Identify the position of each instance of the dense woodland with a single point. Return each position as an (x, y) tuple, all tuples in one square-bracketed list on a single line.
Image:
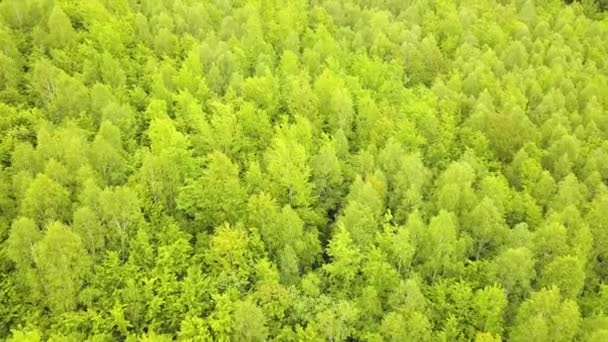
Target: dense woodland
[(303, 170)]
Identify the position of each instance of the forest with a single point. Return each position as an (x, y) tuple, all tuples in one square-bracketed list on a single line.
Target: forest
[(303, 170)]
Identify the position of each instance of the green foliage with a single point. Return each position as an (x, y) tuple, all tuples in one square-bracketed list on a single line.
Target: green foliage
[(46, 200), (545, 317), (303, 171), (63, 269), (217, 195)]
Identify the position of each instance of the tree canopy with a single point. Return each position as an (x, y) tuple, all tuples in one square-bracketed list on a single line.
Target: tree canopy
[(303, 170)]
